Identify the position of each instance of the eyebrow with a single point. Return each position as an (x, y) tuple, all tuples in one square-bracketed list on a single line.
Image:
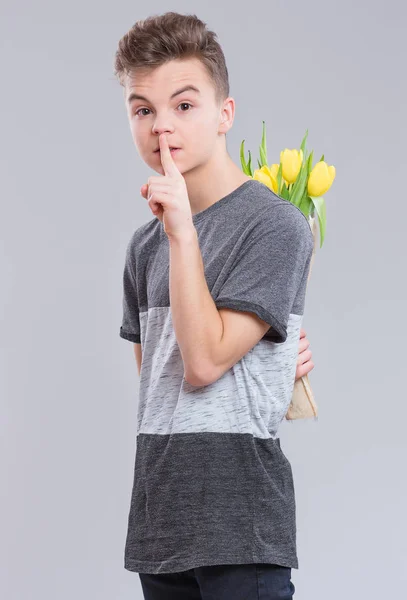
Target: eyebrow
[(134, 96)]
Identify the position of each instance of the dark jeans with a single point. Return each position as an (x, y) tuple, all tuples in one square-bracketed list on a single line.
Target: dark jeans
[(221, 582)]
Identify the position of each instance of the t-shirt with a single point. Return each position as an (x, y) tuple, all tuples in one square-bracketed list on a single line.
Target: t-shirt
[(211, 482)]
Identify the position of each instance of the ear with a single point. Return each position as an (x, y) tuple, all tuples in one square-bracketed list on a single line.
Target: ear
[(227, 114)]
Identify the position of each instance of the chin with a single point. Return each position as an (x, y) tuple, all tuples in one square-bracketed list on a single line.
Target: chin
[(160, 169)]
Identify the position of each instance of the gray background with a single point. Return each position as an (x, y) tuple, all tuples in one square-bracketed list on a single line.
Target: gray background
[(70, 201)]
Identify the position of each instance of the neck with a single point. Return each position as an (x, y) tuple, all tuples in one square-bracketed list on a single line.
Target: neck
[(212, 181)]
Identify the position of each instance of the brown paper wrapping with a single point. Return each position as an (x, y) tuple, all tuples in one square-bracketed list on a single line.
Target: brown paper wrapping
[(302, 405)]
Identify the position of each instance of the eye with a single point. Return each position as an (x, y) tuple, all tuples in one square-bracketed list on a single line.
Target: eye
[(137, 111), (144, 115), (185, 104)]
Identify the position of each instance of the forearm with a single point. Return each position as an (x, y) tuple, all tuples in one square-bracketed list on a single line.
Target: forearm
[(197, 324)]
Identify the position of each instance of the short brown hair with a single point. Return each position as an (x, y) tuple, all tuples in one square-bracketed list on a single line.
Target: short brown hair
[(160, 38)]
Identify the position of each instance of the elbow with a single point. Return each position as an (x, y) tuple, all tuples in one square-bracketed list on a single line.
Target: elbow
[(200, 377)]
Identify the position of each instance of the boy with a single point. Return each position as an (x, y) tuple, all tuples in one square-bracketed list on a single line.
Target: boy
[(213, 299)]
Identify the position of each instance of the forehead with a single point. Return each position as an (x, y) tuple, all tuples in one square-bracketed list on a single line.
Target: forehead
[(167, 78)]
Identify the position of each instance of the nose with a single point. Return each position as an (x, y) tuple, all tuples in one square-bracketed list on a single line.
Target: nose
[(160, 126), (159, 131)]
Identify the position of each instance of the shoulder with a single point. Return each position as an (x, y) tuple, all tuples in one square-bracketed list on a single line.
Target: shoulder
[(268, 211)]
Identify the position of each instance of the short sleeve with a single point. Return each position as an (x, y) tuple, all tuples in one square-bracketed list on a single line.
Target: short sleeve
[(270, 271), (130, 327)]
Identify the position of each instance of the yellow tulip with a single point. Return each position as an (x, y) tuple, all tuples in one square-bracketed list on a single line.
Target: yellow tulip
[(265, 176), (291, 161), (274, 171), (320, 179)]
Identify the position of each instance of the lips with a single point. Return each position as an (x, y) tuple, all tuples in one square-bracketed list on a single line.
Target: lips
[(171, 148)]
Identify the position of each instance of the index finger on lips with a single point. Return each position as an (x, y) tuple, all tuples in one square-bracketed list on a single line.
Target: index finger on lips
[(169, 166)]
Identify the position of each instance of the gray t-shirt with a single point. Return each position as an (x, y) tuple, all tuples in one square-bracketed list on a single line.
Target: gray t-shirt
[(211, 483)]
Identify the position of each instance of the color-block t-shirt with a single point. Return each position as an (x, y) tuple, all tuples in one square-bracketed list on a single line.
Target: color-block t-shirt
[(211, 483)]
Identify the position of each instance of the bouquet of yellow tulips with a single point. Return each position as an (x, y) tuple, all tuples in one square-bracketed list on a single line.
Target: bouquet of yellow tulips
[(296, 180)]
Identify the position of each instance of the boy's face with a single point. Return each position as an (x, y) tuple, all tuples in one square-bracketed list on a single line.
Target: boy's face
[(191, 119)]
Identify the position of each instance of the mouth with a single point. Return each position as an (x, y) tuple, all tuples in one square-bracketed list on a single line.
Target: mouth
[(172, 150)]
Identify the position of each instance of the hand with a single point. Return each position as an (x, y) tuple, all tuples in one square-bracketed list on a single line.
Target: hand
[(168, 196), (304, 362)]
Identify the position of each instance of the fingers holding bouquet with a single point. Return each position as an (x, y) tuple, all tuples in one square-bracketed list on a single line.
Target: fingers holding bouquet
[(304, 360)]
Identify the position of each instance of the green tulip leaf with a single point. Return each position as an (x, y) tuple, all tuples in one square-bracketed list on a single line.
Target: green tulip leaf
[(249, 165), (309, 206), (310, 158), (279, 178), (293, 187), (304, 140), (299, 185), (263, 146), (319, 204), (243, 160), (306, 204), (284, 192)]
